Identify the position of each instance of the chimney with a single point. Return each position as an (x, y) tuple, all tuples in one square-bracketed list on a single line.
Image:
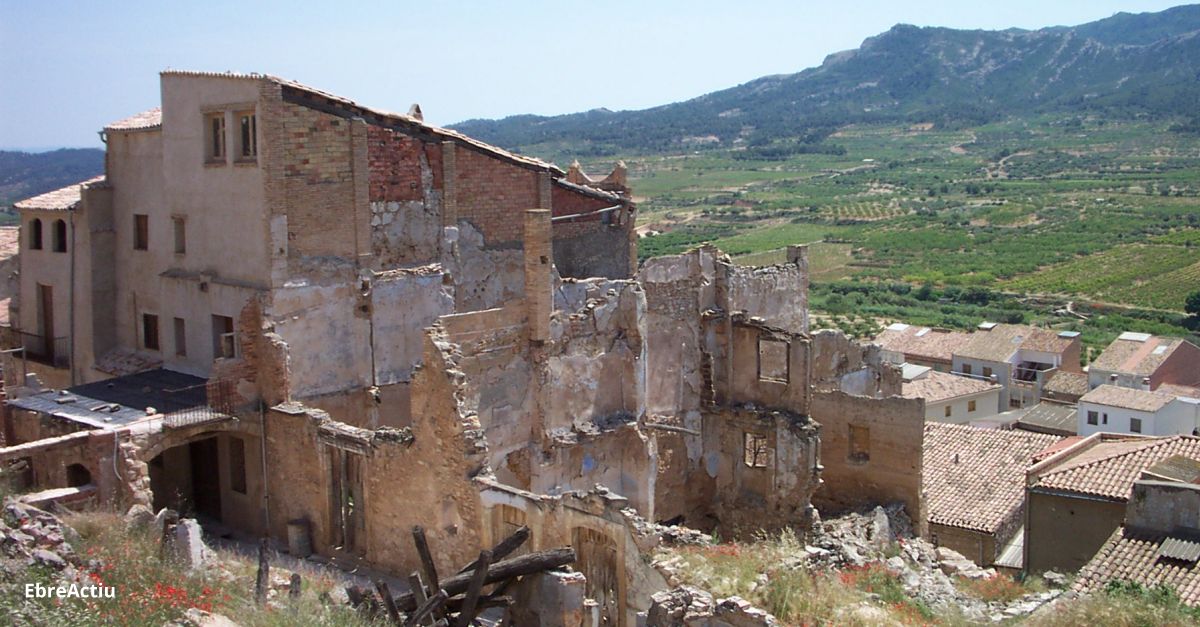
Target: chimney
[(1112, 379), (415, 112), (1146, 383), (538, 297)]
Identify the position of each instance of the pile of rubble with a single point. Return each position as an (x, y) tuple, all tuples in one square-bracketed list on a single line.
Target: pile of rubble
[(33, 537), (885, 536), (686, 606)]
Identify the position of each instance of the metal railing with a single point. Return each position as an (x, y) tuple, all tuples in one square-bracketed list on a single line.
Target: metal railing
[(46, 350), (208, 402)]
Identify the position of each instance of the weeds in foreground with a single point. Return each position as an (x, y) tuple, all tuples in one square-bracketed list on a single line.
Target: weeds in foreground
[(151, 589)]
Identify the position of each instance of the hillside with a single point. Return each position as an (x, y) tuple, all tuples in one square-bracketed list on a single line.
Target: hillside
[(24, 174), (1125, 65)]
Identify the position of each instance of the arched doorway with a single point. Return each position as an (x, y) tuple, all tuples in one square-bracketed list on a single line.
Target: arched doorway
[(78, 475)]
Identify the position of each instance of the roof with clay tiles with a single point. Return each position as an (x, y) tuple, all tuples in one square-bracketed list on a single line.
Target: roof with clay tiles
[(1106, 465), (61, 199), (1127, 398), (143, 121), (935, 387), (1067, 383), (1141, 355), (922, 342), (1002, 340), (975, 478), (1133, 555)]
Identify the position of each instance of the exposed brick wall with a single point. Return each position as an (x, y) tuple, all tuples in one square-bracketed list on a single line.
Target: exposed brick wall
[(493, 195), (317, 168), (396, 167)]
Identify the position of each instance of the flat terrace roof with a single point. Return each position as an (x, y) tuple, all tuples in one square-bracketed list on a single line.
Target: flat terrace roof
[(117, 402)]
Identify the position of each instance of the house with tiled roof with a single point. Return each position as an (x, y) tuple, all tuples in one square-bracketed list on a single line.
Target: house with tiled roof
[(1020, 358), (1050, 417), (948, 398), (922, 346), (1065, 387), (1116, 409), (1159, 542), (1076, 497), (974, 485), (1145, 361)]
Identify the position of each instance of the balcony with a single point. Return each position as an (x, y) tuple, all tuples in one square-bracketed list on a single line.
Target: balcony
[(40, 349)]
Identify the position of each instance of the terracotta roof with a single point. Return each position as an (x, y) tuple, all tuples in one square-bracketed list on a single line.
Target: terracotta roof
[(140, 122), (939, 386), (60, 199), (1067, 383), (1108, 466), (1127, 398), (1174, 389), (999, 343), (1051, 417), (922, 342), (1134, 556), (1135, 357), (975, 478)]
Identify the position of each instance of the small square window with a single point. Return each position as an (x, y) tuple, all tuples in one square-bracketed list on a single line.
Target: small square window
[(1135, 425), (1093, 418), (214, 129), (247, 136), (141, 231), (970, 406), (755, 451), (966, 368), (180, 225), (860, 443), (150, 332), (772, 360), (948, 410), (987, 372), (180, 337)]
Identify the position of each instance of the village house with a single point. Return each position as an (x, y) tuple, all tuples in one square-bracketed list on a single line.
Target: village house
[(975, 489), (295, 316), (1065, 387), (1019, 358), (1144, 361), (921, 346), (958, 400), (1077, 497), (1157, 543), (1116, 409), (1049, 417)]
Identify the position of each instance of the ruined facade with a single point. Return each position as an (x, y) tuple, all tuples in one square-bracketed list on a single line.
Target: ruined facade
[(296, 316)]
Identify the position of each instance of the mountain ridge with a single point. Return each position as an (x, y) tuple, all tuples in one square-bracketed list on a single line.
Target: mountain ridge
[(1126, 64)]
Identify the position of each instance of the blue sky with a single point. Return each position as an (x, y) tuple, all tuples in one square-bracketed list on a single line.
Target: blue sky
[(68, 68)]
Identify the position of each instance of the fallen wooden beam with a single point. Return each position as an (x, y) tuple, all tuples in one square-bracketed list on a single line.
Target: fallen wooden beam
[(507, 569), (466, 614), (504, 547)]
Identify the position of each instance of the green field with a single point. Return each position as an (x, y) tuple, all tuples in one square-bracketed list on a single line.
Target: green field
[(1074, 208)]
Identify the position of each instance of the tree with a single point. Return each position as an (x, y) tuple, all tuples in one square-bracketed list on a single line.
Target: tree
[(1192, 304)]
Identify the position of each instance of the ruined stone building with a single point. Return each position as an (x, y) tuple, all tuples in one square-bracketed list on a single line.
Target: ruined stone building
[(292, 314)]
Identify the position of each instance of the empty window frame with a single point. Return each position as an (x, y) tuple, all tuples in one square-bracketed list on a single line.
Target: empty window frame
[(237, 464), (59, 236), (180, 225), (947, 411), (970, 406), (755, 450), (966, 369), (224, 342), (214, 137), (180, 337), (141, 231), (247, 136), (1093, 417), (1135, 425), (860, 443), (772, 360), (35, 234), (150, 332)]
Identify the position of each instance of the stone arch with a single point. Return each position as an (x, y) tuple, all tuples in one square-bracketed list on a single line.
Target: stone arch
[(35, 234), (78, 475)]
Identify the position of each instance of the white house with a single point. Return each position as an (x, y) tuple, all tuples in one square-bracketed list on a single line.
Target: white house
[(1115, 409), (949, 398), (1019, 358)]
